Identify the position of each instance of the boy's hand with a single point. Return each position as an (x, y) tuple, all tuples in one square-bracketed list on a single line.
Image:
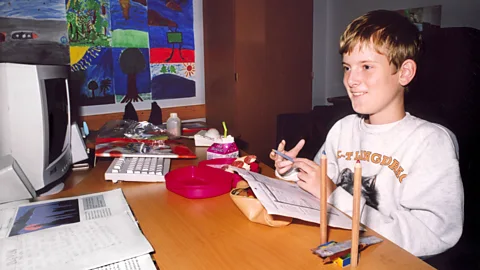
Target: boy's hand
[(282, 165), (309, 177)]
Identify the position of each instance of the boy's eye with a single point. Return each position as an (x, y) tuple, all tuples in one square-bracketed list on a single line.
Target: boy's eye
[(346, 68), (367, 67)]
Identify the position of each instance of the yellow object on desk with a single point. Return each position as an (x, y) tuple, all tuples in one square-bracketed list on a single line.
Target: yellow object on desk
[(251, 207)]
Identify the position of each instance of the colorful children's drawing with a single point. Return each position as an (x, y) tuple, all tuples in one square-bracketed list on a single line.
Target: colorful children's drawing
[(171, 81), (88, 22), (33, 31), (129, 24), (171, 31), (172, 49), (131, 74), (119, 50), (92, 73)]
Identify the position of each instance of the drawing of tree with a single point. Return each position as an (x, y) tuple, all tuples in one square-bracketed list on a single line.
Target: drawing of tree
[(163, 69), (87, 23), (173, 70), (132, 62), (93, 85), (105, 84), (125, 5)]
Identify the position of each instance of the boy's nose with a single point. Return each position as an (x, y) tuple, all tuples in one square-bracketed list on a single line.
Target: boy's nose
[(352, 79)]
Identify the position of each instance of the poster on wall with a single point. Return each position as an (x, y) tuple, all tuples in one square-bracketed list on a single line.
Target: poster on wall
[(172, 49), (92, 72), (144, 49), (423, 15), (33, 32), (91, 60), (129, 23), (88, 22), (131, 74)]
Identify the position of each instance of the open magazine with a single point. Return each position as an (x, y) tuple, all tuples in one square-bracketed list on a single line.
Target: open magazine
[(94, 231)]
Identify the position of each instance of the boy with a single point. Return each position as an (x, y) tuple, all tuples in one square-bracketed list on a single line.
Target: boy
[(412, 191)]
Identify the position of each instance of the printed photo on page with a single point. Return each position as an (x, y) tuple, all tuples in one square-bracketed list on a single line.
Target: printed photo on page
[(7, 214), (52, 213)]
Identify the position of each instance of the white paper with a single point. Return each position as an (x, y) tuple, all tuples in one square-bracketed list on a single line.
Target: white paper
[(288, 199), (82, 245), (143, 262), (42, 215)]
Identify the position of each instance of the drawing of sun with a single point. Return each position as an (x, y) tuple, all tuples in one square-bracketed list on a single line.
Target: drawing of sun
[(81, 57), (189, 69)]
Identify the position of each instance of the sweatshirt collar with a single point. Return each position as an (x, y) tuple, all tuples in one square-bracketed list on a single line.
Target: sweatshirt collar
[(380, 128)]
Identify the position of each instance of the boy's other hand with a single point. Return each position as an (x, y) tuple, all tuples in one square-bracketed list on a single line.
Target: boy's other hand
[(309, 177), (282, 165)]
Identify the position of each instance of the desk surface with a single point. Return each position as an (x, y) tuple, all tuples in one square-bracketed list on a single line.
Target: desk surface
[(213, 234)]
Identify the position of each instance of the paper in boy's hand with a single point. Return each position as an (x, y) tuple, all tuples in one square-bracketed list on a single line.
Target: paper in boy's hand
[(288, 199)]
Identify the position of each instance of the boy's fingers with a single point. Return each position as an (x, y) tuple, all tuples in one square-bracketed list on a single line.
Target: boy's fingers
[(303, 167), (285, 163), (295, 150), (302, 184), (302, 176), (306, 161), (272, 155), (283, 166), (283, 170), (281, 146)]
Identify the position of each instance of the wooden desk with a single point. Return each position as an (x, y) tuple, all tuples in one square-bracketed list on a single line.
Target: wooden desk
[(213, 234)]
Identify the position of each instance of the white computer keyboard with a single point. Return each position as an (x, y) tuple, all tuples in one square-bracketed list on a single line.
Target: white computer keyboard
[(139, 169)]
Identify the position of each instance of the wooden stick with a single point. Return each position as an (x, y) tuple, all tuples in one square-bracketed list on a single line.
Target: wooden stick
[(357, 189), (323, 200)]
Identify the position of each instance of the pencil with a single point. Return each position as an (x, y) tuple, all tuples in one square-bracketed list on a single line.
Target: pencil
[(357, 184), (282, 155), (323, 199)]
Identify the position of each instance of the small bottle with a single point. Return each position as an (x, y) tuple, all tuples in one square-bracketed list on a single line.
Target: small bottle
[(174, 125)]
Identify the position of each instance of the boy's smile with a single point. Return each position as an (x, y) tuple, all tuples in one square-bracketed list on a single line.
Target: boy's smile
[(373, 85)]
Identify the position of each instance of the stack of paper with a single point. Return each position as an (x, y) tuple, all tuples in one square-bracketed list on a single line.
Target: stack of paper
[(288, 199), (95, 231)]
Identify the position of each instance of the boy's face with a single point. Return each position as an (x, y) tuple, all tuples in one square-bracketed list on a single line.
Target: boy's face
[(373, 85)]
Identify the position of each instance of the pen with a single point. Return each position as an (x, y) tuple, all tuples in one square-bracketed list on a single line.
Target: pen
[(282, 155)]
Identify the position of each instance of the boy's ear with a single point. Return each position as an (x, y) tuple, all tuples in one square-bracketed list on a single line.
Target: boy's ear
[(407, 72)]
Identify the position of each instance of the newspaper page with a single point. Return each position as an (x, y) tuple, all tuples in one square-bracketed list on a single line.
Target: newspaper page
[(82, 245), (42, 215), (288, 199), (21, 217)]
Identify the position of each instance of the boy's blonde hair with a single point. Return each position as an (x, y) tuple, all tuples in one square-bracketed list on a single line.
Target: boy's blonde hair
[(390, 33)]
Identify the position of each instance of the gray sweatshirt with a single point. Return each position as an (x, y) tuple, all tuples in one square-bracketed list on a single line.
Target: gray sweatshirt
[(412, 192)]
